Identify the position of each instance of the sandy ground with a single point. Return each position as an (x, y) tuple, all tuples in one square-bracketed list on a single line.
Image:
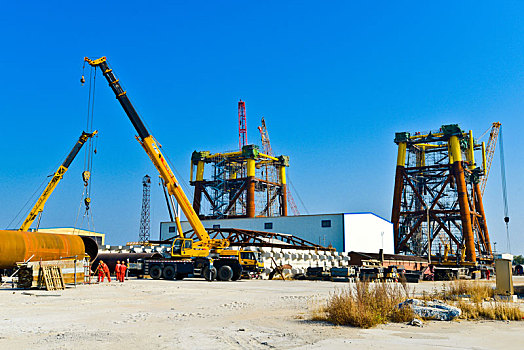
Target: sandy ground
[(195, 314)]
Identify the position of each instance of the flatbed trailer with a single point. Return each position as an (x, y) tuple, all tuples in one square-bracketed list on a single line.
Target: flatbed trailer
[(221, 269)]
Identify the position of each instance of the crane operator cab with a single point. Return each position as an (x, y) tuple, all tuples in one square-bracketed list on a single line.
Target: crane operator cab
[(185, 248)]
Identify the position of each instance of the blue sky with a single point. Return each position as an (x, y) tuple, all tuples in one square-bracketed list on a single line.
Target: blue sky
[(334, 81)]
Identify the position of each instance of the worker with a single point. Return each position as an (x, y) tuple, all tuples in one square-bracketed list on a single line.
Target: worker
[(487, 274), (107, 273), (101, 271), (123, 268), (117, 270)]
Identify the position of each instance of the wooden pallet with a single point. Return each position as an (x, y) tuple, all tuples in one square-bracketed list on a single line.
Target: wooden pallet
[(52, 278)]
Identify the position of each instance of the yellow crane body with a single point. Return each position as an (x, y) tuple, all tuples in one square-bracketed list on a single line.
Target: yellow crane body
[(57, 176)]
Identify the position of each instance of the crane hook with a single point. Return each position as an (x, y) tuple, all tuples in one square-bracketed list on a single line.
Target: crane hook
[(85, 176), (82, 80)]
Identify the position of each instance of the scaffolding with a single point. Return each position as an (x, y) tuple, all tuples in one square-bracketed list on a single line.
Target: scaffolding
[(437, 201), (246, 183)]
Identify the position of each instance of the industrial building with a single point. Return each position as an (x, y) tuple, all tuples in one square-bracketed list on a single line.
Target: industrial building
[(98, 237), (346, 232)]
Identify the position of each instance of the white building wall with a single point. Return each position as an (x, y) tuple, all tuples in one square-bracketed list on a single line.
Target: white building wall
[(308, 227), (363, 232), (367, 232)]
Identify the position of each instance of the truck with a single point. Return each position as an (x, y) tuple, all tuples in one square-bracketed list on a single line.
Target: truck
[(208, 258)]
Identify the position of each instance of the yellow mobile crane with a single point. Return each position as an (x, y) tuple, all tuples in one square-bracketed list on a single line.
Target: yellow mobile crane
[(200, 258), (39, 206)]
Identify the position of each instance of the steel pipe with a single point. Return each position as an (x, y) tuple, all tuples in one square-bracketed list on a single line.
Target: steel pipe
[(19, 246)]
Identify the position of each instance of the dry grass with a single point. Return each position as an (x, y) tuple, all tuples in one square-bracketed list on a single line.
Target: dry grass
[(476, 291), (503, 311), (365, 306), (479, 304)]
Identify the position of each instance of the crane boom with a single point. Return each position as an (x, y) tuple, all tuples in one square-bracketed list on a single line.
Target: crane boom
[(57, 176), (266, 146), (152, 149), (490, 152)]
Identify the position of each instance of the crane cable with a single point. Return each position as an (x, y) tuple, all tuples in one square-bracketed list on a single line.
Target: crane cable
[(504, 190), (90, 150)]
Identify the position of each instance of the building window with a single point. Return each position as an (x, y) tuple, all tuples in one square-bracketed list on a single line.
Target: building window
[(216, 226), (268, 225), (172, 229), (325, 223)]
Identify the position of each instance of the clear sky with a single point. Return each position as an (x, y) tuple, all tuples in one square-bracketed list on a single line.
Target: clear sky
[(334, 80)]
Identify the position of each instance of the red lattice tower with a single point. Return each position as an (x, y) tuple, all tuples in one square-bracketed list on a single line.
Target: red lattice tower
[(242, 124), (266, 146)]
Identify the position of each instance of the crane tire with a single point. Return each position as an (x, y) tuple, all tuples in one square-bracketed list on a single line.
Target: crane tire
[(237, 274), (155, 272), (169, 272), (209, 273), (225, 273)]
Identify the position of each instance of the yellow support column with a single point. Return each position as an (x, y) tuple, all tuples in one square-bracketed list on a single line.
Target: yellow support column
[(470, 155), (283, 184), (465, 212), (197, 198), (250, 197)]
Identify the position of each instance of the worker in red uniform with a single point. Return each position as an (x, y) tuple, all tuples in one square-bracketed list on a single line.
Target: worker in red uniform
[(107, 273), (117, 270), (101, 271), (123, 269)]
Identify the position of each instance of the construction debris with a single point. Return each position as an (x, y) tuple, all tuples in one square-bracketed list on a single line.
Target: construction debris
[(432, 310)]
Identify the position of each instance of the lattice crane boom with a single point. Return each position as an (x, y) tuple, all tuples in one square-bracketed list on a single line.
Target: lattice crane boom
[(490, 152), (242, 124), (266, 146), (145, 217)]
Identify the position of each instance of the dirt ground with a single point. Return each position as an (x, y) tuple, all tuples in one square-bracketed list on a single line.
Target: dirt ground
[(195, 314)]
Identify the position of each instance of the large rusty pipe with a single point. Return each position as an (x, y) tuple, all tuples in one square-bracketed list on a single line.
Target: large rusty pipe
[(197, 197), (462, 192), (283, 200), (19, 246), (397, 199), (397, 193), (483, 222)]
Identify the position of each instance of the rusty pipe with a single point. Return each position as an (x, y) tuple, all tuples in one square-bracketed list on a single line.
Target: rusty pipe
[(18, 246)]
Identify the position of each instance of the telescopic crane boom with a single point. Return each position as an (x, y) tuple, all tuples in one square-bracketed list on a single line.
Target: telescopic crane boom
[(39, 206), (152, 149)]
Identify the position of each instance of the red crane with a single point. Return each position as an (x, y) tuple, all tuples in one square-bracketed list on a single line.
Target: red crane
[(242, 124), (266, 146)]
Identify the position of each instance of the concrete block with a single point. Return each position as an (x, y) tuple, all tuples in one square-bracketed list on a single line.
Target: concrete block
[(267, 255)]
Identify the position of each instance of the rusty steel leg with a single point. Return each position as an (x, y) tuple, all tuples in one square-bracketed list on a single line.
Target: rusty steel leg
[(250, 197), (483, 222), (197, 198), (397, 199), (465, 213), (283, 201)]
